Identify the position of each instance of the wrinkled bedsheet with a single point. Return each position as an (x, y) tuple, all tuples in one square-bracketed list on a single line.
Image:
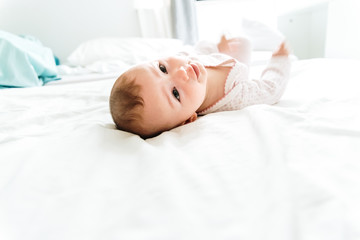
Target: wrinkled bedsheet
[(282, 172)]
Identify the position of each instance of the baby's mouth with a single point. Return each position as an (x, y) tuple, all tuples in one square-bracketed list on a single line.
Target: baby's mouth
[(196, 69)]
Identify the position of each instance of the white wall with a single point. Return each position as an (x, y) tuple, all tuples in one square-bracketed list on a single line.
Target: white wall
[(331, 32), (287, 6), (63, 24), (225, 16), (343, 35), (305, 30)]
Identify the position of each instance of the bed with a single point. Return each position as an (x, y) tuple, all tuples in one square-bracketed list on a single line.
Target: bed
[(286, 171)]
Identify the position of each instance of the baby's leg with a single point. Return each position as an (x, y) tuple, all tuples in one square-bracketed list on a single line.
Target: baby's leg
[(238, 48)]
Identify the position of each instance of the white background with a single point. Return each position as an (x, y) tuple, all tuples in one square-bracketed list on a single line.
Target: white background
[(63, 25)]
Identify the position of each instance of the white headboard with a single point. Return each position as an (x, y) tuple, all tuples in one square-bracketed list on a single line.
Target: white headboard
[(63, 24)]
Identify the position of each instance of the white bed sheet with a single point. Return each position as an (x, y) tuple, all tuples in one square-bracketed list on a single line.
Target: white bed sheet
[(287, 171)]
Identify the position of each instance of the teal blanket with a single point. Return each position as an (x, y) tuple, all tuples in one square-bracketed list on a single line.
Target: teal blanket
[(25, 62)]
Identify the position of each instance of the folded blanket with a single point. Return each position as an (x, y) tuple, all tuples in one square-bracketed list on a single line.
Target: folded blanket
[(25, 62)]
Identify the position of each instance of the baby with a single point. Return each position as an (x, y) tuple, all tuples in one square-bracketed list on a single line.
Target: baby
[(159, 95)]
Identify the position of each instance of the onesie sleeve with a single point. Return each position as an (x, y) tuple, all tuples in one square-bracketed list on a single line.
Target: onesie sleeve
[(241, 91), (269, 88)]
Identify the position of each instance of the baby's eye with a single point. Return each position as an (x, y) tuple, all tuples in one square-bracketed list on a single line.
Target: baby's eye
[(162, 68), (176, 94)]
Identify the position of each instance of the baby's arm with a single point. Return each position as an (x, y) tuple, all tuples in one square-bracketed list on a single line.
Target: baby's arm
[(271, 85)]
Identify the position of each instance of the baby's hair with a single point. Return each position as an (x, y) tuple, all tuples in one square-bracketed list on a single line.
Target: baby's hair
[(126, 104)]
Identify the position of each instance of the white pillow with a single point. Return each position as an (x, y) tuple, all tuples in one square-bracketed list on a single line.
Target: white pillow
[(128, 50), (262, 37)]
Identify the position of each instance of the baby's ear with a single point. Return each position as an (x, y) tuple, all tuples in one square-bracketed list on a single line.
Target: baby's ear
[(191, 119)]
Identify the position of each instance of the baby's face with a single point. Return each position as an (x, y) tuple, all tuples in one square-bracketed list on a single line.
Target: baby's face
[(173, 89)]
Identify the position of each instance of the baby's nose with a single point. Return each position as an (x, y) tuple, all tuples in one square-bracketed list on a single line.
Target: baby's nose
[(181, 74)]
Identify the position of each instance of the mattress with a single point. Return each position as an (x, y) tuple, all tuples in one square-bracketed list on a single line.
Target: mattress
[(284, 171)]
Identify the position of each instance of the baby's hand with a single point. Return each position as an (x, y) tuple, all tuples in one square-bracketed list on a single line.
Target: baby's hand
[(283, 50)]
